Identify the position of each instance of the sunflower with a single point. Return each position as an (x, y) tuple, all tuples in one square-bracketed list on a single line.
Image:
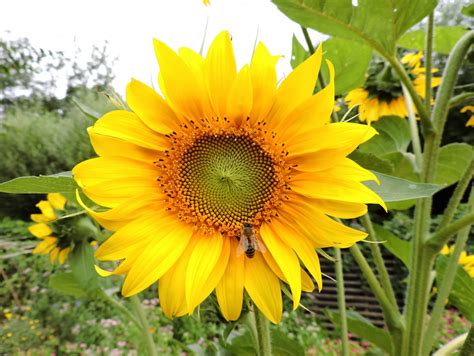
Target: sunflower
[(57, 248), (469, 108), (382, 93), (465, 260), (226, 183)]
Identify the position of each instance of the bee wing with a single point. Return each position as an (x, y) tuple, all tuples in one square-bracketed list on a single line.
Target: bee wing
[(260, 246), (240, 248)]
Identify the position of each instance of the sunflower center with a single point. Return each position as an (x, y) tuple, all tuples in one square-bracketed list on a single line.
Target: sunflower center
[(222, 180)]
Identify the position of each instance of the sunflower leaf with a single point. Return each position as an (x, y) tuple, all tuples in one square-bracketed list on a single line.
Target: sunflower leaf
[(394, 136), (445, 37), (58, 183), (378, 23), (398, 247), (66, 283), (468, 10), (393, 189), (462, 292), (82, 263), (452, 162), (298, 53), (363, 328)]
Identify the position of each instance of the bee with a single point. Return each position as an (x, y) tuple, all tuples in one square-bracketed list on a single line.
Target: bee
[(248, 242)]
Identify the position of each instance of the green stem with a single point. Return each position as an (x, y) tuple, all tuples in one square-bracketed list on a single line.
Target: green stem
[(378, 259), (468, 347), (140, 315), (391, 313), (415, 136), (341, 302), (423, 258), (446, 285), (321, 80), (458, 99), (428, 61), (121, 308), (443, 235), (452, 346), (402, 74), (262, 327)]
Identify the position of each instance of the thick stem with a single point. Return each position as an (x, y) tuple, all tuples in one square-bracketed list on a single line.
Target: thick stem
[(423, 257), (121, 308), (444, 290), (262, 327), (443, 235), (405, 79), (391, 313), (341, 302), (415, 136), (468, 347), (140, 315), (458, 99), (378, 259), (428, 61)]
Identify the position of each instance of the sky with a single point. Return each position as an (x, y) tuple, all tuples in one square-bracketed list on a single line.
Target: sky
[(130, 26)]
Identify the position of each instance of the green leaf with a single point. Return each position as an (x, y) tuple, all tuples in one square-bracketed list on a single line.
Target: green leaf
[(394, 136), (452, 162), (462, 292), (398, 247), (282, 345), (372, 162), (350, 60), (82, 263), (66, 283), (403, 165), (378, 23), (468, 10), (86, 110), (363, 328), (298, 53), (58, 183), (445, 37), (392, 189)]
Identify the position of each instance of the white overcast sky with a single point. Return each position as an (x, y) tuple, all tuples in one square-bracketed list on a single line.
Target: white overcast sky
[(130, 26)]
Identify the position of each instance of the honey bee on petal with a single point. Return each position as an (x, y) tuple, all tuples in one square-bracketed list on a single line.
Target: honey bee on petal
[(248, 242)]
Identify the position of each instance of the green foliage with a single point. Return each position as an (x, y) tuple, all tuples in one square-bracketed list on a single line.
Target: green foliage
[(462, 292), (298, 53), (377, 23), (445, 37), (398, 247), (57, 183), (67, 283), (82, 264), (363, 328), (453, 160), (393, 189), (468, 10)]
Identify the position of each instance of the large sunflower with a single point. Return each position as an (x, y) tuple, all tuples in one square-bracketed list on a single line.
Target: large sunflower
[(382, 93), (227, 183)]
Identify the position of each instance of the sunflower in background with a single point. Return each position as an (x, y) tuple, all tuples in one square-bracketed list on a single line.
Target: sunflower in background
[(465, 260), (469, 108), (382, 93), (226, 184), (58, 236)]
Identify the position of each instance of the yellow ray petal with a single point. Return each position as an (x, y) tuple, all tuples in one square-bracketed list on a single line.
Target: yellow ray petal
[(162, 251), (263, 287), (296, 88), (229, 290), (127, 126), (40, 218), (63, 255), (47, 210), (40, 230), (151, 107), (302, 247), (264, 81), (307, 284), (313, 112), (181, 87), (203, 261), (57, 200), (46, 245), (220, 71), (171, 287), (239, 101), (53, 255), (286, 260), (339, 209)]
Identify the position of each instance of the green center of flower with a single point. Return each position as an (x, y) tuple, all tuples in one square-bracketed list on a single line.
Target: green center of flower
[(226, 179)]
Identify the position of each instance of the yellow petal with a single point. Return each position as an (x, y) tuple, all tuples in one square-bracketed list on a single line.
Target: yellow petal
[(40, 230), (296, 88), (314, 112), (307, 284), (53, 255), (127, 126), (63, 255), (264, 81), (40, 218), (286, 260), (151, 107), (180, 85), (239, 101), (203, 260), (46, 245), (159, 255), (340, 209), (220, 69), (47, 210), (263, 287), (57, 200), (230, 289)]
